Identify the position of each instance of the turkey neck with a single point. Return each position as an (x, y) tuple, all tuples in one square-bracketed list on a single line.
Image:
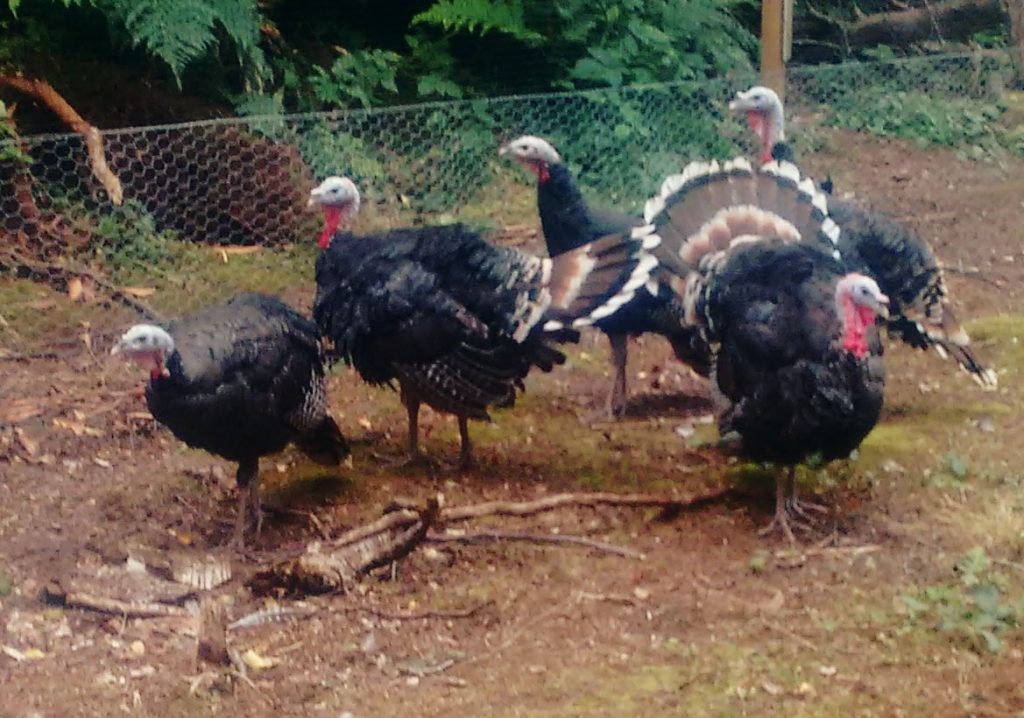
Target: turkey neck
[(332, 219), (856, 320), (563, 212), (770, 127)]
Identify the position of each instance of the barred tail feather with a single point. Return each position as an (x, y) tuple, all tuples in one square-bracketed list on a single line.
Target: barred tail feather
[(592, 282)]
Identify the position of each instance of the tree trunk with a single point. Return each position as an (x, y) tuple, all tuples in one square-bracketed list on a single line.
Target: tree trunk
[(947, 20), (1015, 10)]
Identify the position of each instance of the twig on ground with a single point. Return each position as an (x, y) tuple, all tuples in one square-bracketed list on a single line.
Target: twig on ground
[(555, 539), (607, 597), (122, 608), (558, 501), (827, 551)]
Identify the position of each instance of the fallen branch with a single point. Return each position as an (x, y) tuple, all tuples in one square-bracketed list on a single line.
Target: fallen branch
[(44, 92), (559, 501), (58, 275), (122, 608), (327, 567), (556, 539)]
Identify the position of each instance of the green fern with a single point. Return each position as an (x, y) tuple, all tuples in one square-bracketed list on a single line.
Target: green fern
[(181, 31), (479, 16)]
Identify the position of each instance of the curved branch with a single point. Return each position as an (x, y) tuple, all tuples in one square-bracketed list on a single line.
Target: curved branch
[(44, 92)]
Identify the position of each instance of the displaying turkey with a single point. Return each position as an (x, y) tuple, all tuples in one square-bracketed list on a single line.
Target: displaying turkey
[(241, 380), (796, 368), (569, 222), (902, 263), (458, 322)]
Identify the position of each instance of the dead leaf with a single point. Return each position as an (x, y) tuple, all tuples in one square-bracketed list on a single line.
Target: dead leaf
[(19, 410), (365, 423), (40, 304), (77, 428), (75, 289), (257, 662), (88, 289), (140, 292)]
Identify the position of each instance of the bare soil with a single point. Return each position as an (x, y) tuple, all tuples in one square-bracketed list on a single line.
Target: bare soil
[(714, 620)]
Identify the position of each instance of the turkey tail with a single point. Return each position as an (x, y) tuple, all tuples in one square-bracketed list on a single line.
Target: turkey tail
[(592, 282), (937, 326), (709, 208), (324, 444)]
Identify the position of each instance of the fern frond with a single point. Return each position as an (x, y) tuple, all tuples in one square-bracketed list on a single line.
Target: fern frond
[(180, 31), (479, 16)]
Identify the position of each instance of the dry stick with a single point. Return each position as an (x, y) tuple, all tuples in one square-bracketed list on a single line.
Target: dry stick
[(44, 92), (45, 271), (404, 543), (122, 608), (558, 501), (557, 539), (387, 522), (828, 551)]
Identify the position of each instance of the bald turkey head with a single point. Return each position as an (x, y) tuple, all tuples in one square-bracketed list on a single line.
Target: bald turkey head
[(534, 153), (338, 198), (148, 345), (858, 302), (765, 116)]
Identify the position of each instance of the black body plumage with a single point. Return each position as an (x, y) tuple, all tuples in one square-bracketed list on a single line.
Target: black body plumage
[(793, 392), (437, 308), (246, 378)]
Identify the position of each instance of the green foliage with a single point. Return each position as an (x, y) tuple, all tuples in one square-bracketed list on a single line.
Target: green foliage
[(9, 151), (479, 16), (966, 123), (366, 77), (976, 608), (125, 238), (644, 41)]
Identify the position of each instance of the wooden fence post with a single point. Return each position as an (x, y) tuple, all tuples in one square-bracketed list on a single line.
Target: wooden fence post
[(776, 43)]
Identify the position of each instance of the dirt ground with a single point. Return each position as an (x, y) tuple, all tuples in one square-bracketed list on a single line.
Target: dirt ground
[(712, 620)]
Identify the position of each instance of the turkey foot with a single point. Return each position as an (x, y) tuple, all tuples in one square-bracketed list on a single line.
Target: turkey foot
[(789, 511), (248, 504)]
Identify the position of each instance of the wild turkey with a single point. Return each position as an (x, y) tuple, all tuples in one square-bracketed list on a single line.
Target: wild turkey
[(796, 368), (241, 380), (902, 263), (569, 222), (457, 322)]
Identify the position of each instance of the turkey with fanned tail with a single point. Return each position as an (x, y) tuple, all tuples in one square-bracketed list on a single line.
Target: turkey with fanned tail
[(796, 362), (569, 222), (241, 380), (902, 263), (455, 321)]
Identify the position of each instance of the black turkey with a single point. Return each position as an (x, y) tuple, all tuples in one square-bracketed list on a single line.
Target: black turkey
[(458, 322), (569, 222), (241, 380), (796, 368), (902, 263)]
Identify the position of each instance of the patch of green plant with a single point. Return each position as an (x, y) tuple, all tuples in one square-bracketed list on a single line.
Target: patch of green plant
[(968, 124), (975, 608), (953, 471)]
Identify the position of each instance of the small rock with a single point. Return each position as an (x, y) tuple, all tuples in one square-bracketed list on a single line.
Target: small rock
[(137, 648), (684, 431), (986, 425), (827, 671), (412, 681), (642, 593), (771, 688)]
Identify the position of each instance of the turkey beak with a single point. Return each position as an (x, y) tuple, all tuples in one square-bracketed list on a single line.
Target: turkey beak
[(116, 349), (504, 150), (881, 306), (314, 198)]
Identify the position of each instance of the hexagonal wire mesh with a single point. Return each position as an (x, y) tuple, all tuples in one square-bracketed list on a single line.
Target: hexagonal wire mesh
[(191, 190)]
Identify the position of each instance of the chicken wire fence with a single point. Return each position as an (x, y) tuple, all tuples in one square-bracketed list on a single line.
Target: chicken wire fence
[(211, 208)]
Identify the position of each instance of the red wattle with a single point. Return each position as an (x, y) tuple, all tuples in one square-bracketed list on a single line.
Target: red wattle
[(332, 218)]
